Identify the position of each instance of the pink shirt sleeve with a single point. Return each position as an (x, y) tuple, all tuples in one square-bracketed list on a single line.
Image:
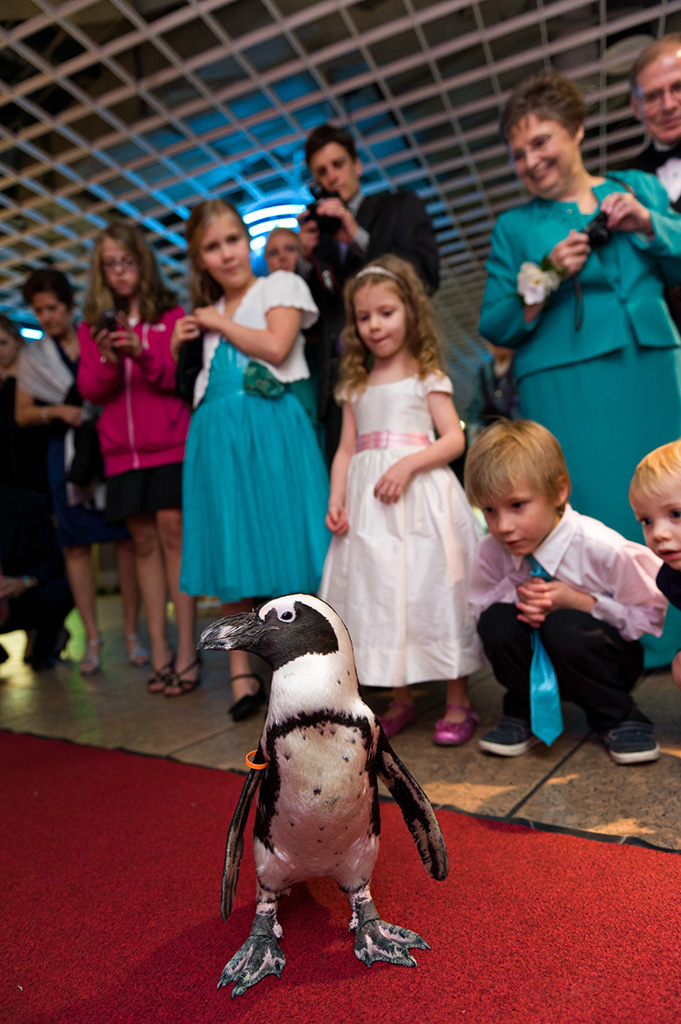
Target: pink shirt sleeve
[(155, 360), (98, 380)]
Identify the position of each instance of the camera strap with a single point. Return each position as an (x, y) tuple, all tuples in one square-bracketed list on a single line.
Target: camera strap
[(625, 184), (325, 274)]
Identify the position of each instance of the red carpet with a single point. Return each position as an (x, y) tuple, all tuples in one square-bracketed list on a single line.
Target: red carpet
[(111, 867)]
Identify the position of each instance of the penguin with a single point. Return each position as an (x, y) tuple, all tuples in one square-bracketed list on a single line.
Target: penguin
[(318, 810)]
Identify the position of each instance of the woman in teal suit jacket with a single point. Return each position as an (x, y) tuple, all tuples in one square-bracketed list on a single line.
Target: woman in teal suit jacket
[(598, 359)]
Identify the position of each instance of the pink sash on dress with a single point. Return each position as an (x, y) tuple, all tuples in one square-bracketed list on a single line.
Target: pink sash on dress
[(390, 439)]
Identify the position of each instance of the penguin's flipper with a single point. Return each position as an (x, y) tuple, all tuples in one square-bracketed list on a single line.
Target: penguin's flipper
[(416, 809), (235, 840)]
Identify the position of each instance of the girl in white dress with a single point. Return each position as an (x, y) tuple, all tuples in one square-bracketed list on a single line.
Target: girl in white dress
[(398, 567)]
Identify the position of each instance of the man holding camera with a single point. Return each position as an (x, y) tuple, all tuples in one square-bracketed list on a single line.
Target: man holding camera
[(342, 231)]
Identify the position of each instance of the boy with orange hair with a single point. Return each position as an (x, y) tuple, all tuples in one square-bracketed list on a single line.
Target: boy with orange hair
[(655, 496)]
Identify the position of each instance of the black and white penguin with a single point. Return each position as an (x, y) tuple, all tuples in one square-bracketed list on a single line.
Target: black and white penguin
[(318, 809)]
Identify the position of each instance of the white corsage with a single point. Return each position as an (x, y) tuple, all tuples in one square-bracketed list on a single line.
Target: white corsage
[(536, 282)]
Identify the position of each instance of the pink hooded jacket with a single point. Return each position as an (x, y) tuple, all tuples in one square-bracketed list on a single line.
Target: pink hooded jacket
[(143, 423)]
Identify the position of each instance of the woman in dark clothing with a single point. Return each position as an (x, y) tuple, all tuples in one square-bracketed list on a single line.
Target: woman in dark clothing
[(46, 395), (23, 453)]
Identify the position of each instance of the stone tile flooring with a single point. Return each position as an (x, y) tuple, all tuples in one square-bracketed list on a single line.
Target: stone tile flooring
[(574, 785)]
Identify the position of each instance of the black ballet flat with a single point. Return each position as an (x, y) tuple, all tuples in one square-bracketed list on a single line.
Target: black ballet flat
[(252, 702)]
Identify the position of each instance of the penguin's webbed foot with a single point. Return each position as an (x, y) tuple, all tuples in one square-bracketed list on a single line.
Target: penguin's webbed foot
[(378, 940), (259, 956)]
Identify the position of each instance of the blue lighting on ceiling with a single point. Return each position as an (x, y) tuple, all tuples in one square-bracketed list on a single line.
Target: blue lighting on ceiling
[(268, 212), (279, 215), (258, 241)]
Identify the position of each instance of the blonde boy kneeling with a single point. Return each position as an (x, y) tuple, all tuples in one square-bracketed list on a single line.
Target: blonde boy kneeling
[(600, 598), (655, 496)]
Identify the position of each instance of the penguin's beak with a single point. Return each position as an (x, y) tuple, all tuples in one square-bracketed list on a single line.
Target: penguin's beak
[(241, 632)]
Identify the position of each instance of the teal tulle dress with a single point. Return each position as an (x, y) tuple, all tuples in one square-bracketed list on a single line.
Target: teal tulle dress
[(255, 492)]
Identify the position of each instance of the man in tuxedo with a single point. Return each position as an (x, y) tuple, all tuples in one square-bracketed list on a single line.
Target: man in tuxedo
[(342, 232), (656, 100), (34, 593)]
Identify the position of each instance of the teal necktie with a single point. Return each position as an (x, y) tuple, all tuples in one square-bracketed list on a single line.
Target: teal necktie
[(546, 716)]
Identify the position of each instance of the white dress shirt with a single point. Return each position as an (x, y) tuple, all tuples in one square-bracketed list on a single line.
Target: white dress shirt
[(590, 557)]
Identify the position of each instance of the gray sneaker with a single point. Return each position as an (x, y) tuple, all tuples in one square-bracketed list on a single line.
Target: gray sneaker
[(510, 738), (631, 743)]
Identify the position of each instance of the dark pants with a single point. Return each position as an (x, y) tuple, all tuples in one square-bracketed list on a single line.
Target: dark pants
[(43, 608), (596, 668)]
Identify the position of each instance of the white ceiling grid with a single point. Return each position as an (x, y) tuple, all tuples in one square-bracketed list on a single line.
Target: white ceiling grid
[(140, 109)]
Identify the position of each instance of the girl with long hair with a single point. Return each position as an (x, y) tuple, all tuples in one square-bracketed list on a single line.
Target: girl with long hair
[(126, 367), (398, 567), (255, 482)]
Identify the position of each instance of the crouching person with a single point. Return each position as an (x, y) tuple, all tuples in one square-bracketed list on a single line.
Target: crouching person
[(560, 599), (34, 593)]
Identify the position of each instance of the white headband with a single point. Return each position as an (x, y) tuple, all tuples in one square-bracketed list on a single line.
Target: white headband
[(373, 269)]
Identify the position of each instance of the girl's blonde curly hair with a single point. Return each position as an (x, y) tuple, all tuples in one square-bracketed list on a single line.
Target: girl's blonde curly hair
[(421, 337)]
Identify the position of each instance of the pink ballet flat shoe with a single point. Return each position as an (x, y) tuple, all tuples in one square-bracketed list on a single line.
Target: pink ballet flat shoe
[(453, 734), (392, 724)]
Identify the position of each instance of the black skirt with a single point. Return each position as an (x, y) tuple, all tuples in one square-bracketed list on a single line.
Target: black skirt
[(143, 491)]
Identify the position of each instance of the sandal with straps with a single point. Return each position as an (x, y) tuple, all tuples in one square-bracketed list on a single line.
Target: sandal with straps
[(137, 654), (90, 662), (161, 677), (177, 685), (250, 703)]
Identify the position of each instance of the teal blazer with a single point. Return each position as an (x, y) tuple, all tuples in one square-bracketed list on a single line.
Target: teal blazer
[(622, 283)]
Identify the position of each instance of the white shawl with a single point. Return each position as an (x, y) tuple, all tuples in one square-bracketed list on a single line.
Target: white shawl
[(43, 374)]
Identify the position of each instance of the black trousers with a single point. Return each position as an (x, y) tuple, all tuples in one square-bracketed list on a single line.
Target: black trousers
[(596, 668), (44, 609)]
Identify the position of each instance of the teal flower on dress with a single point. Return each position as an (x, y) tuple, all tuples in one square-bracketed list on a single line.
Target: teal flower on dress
[(258, 380)]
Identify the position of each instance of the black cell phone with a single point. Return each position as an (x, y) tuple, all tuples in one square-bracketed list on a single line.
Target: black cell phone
[(107, 321)]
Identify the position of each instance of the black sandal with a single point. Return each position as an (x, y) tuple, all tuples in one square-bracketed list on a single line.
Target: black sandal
[(177, 684), (251, 703), (161, 677)]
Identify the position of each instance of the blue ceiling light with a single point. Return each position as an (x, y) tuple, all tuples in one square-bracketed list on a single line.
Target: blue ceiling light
[(276, 215)]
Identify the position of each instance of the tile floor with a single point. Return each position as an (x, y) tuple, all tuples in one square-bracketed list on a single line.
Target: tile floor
[(574, 785)]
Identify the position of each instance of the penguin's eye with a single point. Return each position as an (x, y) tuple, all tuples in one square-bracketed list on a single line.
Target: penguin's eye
[(286, 616)]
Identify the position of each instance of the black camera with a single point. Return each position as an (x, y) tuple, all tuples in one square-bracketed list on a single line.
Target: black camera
[(327, 225), (107, 321), (597, 230)]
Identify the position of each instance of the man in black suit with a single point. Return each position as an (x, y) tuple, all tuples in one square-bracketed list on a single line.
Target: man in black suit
[(656, 100), (361, 228), (34, 593)]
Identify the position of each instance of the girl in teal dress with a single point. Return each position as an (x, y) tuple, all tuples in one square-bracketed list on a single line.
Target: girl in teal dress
[(597, 354), (254, 483)]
